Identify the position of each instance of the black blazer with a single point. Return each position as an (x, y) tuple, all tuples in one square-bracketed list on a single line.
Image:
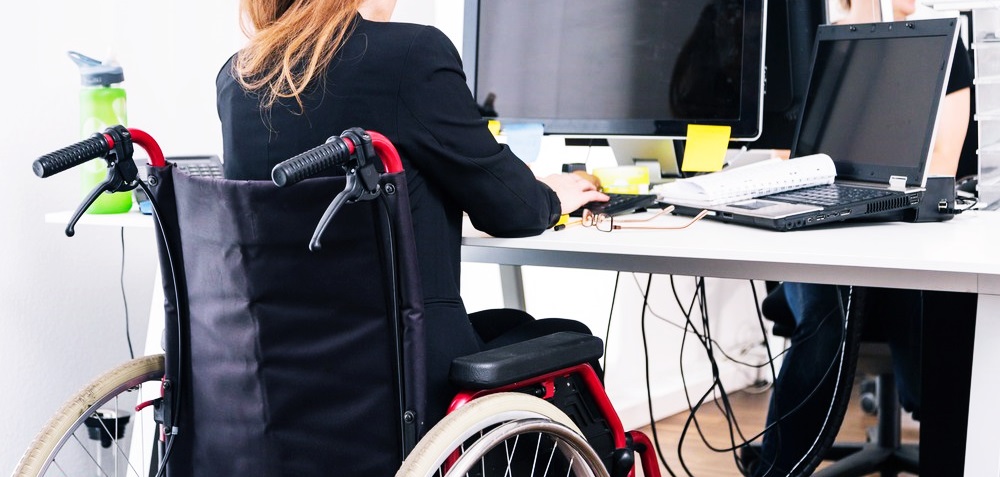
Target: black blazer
[(405, 81)]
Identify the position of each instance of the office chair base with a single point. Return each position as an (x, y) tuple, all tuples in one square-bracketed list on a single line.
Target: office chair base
[(869, 459)]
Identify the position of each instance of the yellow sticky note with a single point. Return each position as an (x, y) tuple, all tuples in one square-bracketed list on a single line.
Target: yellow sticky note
[(705, 150)]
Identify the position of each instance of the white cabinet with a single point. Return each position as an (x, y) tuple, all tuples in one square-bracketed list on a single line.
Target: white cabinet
[(985, 39), (986, 48)]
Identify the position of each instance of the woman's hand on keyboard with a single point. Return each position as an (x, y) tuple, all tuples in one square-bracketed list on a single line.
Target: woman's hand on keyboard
[(573, 190)]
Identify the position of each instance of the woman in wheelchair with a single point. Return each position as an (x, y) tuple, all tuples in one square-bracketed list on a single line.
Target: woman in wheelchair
[(287, 359), (354, 68)]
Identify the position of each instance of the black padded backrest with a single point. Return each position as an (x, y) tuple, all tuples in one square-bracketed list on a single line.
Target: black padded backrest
[(290, 357)]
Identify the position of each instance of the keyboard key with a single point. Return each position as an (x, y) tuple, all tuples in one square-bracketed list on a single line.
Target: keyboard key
[(619, 204), (830, 195)]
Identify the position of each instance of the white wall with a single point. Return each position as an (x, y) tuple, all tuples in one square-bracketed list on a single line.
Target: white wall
[(61, 309)]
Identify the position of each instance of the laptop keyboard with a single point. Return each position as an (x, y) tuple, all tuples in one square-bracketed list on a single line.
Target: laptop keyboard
[(830, 194), (205, 166), (619, 204)]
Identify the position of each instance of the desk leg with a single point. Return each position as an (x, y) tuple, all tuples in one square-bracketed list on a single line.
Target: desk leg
[(982, 454), (512, 284), (948, 333)]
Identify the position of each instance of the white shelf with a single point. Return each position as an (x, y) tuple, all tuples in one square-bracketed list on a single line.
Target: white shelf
[(989, 148), (132, 218), (994, 79), (961, 4), (991, 115), (985, 44)]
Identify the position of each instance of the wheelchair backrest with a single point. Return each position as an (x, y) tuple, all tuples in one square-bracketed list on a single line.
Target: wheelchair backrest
[(290, 362)]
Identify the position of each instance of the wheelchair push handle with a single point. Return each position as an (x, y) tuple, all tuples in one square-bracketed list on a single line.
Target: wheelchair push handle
[(336, 152), (98, 145), (115, 145), (340, 150), (357, 151), (73, 155)]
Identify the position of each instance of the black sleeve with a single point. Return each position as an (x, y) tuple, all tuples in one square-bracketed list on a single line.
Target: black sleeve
[(961, 69), (456, 151)]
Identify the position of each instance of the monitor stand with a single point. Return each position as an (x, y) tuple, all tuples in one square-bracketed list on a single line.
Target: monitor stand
[(656, 154)]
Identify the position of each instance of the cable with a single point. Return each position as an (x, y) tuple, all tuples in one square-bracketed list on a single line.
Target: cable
[(171, 433), (843, 344), (717, 389), (837, 357), (701, 298), (716, 382), (649, 393), (763, 331), (968, 203), (607, 332), (719, 346), (121, 283), (725, 406)]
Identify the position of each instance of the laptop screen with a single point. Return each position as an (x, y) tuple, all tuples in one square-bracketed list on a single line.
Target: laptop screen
[(873, 97)]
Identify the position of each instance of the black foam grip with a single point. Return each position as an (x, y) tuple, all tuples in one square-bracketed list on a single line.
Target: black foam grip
[(311, 163), (71, 156)]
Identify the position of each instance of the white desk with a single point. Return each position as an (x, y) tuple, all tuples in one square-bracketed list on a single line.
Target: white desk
[(959, 255)]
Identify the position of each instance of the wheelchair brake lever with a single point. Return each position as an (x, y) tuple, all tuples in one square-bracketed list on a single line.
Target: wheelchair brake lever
[(114, 182), (122, 174), (353, 192), (362, 182)]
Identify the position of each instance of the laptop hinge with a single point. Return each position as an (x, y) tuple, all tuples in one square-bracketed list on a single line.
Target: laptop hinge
[(897, 183)]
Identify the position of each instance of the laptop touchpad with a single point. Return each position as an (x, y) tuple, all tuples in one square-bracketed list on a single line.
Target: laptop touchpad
[(768, 208)]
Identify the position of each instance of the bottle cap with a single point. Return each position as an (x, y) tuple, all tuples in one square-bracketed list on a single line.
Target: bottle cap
[(95, 73)]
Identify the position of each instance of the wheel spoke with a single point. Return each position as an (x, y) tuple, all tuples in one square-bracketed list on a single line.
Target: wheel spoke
[(66, 449), (59, 468), (491, 433), (548, 465), (97, 464), (569, 470), (534, 461), (510, 455)]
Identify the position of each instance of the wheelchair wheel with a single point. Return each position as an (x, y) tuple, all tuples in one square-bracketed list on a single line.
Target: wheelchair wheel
[(504, 434), (98, 431)]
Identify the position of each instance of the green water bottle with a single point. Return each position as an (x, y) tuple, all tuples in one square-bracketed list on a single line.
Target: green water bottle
[(102, 104)]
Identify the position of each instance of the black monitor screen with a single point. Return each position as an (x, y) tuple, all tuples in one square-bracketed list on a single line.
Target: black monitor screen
[(628, 67), (873, 97), (791, 32)]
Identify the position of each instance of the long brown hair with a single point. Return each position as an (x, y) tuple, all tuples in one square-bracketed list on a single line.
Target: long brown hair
[(291, 42)]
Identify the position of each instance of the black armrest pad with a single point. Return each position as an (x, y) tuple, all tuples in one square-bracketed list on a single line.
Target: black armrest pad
[(519, 361)]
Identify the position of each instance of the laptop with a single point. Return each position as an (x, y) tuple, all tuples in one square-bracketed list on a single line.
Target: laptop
[(871, 105)]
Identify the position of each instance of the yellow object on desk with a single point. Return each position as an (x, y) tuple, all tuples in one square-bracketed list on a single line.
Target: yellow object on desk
[(705, 150), (623, 179), (561, 224)]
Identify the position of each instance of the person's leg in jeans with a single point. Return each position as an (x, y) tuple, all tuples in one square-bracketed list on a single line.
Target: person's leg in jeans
[(803, 391), (900, 315)]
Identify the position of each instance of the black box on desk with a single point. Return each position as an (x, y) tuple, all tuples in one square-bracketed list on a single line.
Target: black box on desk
[(937, 204)]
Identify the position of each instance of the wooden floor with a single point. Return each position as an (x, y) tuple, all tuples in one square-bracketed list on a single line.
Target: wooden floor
[(750, 410)]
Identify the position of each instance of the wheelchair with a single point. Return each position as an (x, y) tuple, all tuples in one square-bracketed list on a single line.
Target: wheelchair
[(287, 359)]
